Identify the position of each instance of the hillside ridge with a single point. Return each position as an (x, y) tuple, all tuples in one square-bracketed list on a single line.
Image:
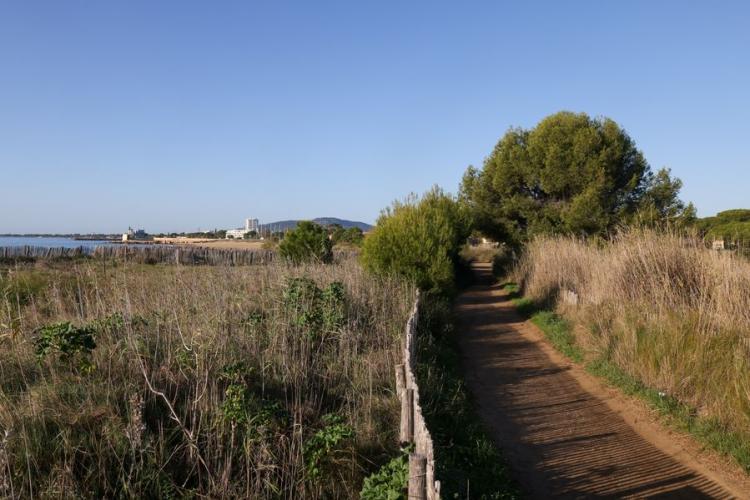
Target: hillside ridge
[(283, 225)]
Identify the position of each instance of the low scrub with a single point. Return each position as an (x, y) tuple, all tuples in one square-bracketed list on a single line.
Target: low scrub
[(143, 381), (308, 242), (659, 308), (420, 240)]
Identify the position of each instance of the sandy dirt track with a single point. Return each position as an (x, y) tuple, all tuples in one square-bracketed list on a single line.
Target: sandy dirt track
[(564, 432)]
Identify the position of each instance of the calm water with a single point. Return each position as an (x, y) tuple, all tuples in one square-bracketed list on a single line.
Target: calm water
[(13, 241)]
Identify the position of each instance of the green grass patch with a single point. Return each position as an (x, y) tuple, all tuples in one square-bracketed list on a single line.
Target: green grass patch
[(557, 330), (559, 334), (707, 431)]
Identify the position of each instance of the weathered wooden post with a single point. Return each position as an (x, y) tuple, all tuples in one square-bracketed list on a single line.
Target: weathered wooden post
[(400, 380), (406, 434), (417, 477)]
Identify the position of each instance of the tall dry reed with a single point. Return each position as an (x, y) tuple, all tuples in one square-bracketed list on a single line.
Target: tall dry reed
[(662, 307), (253, 382)]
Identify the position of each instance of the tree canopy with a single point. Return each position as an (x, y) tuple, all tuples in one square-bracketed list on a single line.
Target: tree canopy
[(661, 202), (733, 226), (350, 236), (569, 174)]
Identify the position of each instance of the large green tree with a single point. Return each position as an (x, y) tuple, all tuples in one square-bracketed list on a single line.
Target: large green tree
[(661, 203), (569, 174)]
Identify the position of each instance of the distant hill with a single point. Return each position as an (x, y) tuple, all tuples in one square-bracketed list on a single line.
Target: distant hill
[(283, 225)]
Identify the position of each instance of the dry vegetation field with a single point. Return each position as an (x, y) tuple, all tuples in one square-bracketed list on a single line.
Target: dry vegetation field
[(661, 307), (234, 244), (157, 381)]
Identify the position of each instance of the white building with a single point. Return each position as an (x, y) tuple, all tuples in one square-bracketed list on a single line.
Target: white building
[(136, 235), (250, 225)]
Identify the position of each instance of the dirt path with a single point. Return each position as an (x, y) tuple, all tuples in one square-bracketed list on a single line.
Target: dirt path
[(565, 434)]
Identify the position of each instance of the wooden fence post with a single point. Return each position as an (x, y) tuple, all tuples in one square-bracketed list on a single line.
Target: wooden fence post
[(400, 380), (406, 434), (417, 477)]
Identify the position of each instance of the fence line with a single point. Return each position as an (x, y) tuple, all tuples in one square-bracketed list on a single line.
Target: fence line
[(413, 428), (144, 254), (150, 254)]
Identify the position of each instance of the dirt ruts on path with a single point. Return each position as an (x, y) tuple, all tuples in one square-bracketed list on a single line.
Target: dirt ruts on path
[(565, 434)]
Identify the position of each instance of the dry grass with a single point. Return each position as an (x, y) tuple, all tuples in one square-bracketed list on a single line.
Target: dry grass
[(478, 253), (204, 382), (661, 307), (233, 244)]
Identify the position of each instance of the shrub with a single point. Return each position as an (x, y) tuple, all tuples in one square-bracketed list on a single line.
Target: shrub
[(320, 448), (314, 310), (351, 236), (65, 339), (419, 239), (68, 342), (308, 242), (389, 482)]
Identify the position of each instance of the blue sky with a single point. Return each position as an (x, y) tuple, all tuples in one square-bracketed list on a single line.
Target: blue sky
[(185, 115)]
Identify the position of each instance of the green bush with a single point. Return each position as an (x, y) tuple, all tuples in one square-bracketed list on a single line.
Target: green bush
[(321, 447), (65, 339), (351, 236), (68, 342), (308, 242), (419, 239), (312, 310), (389, 482)]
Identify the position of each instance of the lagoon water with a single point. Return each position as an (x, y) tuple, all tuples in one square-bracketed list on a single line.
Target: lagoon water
[(47, 242)]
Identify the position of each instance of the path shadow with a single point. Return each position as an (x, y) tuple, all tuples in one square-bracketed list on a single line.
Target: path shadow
[(561, 441)]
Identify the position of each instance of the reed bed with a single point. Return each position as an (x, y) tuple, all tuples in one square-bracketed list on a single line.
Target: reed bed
[(662, 307), (142, 381), (140, 254)]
